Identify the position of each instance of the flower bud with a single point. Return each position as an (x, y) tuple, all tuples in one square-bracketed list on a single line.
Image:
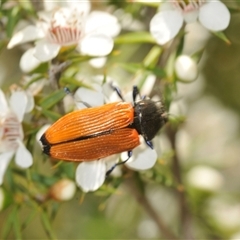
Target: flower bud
[(205, 178), (186, 68), (63, 190)]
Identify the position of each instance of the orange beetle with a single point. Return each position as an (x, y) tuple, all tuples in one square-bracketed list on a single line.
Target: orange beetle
[(93, 133)]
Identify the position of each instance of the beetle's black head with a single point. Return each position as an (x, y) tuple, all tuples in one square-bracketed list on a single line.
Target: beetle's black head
[(149, 117)]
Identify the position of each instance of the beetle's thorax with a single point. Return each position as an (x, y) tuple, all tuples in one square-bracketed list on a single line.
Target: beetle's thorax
[(149, 117)]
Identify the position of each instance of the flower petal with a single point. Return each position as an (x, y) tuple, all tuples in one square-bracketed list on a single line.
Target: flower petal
[(98, 62), (190, 16), (5, 159), (46, 51), (3, 103), (96, 45), (186, 68), (30, 33), (28, 62), (83, 6), (30, 102), (91, 97), (102, 23), (142, 159), (165, 25), (90, 175), (23, 157), (205, 178), (18, 103), (214, 16)]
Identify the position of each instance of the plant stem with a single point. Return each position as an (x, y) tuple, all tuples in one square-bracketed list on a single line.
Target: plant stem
[(139, 195), (185, 218)]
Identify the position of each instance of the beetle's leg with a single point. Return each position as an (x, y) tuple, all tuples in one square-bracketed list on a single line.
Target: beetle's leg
[(67, 91), (117, 164), (118, 91), (149, 143)]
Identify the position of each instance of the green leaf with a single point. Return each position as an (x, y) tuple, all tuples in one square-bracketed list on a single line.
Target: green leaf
[(134, 67), (16, 225), (8, 224), (47, 225), (50, 114), (153, 56), (159, 72), (52, 99), (74, 82), (13, 18), (223, 37), (135, 37), (131, 67)]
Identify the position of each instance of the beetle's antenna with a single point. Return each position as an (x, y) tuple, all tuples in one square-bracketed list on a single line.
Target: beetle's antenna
[(117, 164)]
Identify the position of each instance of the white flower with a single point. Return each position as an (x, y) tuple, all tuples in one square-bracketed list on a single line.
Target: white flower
[(186, 68), (11, 133), (91, 175), (63, 190), (165, 25), (92, 33), (205, 178)]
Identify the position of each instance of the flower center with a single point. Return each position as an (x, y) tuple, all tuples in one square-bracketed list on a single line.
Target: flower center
[(66, 27), (10, 133), (188, 5)]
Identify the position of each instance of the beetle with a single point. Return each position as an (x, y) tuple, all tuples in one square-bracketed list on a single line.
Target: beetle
[(97, 132)]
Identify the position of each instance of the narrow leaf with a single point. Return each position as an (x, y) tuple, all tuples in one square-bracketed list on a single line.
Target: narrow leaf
[(223, 37), (52, 99), (135, 37)]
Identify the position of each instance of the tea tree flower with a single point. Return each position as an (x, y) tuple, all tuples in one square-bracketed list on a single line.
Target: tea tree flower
[(166, 24), (92, 33), (11, 133)]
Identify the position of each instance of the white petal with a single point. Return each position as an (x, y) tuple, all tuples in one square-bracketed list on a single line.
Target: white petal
[(142, 159), (23, 157), (186, 68), (83, 6), (30, 33), (190, 16), (30, 102), (5, 159), (28, 62), (96, 45), (46, 51), (90, 175), (91, 97), (98, 62), (3, 103), (205, 178), (18, 103), (214, 16), (165, 25), (102, 23)]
